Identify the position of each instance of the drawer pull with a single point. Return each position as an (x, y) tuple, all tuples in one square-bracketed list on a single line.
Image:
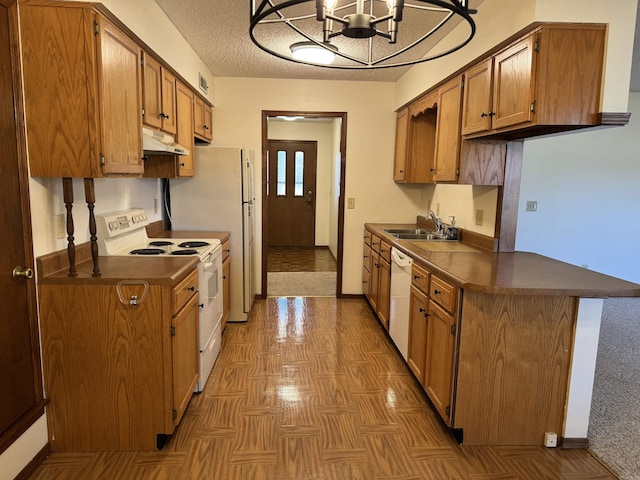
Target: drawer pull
[(133, 299), (416, 277), (422, 310), (437, 292), (192, 288)]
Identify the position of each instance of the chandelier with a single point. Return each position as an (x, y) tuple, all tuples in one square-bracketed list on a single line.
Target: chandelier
[(360, 34)]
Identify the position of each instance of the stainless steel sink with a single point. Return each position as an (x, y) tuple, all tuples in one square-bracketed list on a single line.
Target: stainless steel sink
[(413, 234), (418, 236), (408, 231)]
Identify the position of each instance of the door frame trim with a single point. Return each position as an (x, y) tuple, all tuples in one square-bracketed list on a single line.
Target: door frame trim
[(343, 163)]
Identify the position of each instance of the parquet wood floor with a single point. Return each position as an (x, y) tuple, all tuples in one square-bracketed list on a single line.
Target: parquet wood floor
[(293, 259), (312, 389)]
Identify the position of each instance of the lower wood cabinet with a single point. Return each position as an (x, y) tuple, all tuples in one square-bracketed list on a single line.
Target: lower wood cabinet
[(376, 276), (120, 361), (432, 329)]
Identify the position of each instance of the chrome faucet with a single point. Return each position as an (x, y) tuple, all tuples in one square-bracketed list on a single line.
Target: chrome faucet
[(435, 220)]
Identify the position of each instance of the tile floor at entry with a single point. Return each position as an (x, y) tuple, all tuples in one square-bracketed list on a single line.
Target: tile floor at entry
[(311, 388), (296, 259)]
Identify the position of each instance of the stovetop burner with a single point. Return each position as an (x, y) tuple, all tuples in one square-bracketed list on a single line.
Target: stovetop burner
[(187, 251), (194, 244), (147, 251), (160, 243)]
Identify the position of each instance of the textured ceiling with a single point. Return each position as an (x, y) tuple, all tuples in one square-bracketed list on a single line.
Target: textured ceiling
[(218, 30)]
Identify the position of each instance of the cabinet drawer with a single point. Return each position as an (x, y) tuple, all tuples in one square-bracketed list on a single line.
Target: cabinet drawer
[(375, 243), (185, 290), (443, 293), (226, 249), (385, 251), (367, 237), (366, 278), (420, 278), (366, 257)]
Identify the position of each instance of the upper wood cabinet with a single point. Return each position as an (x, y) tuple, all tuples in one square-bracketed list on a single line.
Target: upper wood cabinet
[(400, 156), (547, 81), (202, 119), (184, 136), (428, 137), (159, 96), (82, 91), (447, 156)]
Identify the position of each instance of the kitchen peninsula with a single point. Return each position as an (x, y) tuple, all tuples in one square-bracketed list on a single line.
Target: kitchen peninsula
[(523, 338)]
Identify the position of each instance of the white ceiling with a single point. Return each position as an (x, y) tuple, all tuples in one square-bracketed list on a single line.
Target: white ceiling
[(218, 30)]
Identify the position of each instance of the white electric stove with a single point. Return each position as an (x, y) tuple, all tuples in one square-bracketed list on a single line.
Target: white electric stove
[(124, 233)]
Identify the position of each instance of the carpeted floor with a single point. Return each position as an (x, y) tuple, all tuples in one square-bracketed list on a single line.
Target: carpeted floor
[(301, 284), (614, 425)]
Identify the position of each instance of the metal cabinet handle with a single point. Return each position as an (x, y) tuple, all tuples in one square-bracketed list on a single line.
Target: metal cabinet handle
[(192, 288), (437, 292), (133, 299)]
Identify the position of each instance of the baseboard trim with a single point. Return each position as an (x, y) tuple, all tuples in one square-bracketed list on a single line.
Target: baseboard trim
[(350, 296), (35, 462), (569, 443)]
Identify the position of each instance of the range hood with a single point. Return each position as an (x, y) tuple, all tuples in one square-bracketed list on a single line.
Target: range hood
[(158, 143)]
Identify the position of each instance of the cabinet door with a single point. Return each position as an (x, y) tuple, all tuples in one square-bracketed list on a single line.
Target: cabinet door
[(447, 156), (168, 112), (400, 156), (384, 292), (120, 101), (477, 103), (366, 269), (198, 117), (438, 378), (513, 84), (373, 280), (418, 323), (184, 135), (151, 92), (59, 70), (185, 352), (208, 121), (423, 118)]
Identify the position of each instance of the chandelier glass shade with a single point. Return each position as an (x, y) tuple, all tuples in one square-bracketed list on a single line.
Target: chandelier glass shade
[(359, 34)]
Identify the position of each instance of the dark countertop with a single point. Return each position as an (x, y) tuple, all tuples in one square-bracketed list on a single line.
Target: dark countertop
[(517, 273), (155, 270), (155, 230)]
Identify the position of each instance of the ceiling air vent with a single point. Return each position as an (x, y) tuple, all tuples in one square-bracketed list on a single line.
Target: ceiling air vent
[(202, 83)]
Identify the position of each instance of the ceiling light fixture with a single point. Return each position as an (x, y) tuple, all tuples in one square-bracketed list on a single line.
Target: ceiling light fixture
[(309, 52), (359, 34)]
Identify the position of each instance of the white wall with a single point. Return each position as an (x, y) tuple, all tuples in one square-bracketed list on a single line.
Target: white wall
[(462, 202), (369, 155), (322, 133), (587, 185)]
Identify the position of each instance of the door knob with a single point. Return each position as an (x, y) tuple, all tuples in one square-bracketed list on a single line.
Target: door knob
[(22, 272)]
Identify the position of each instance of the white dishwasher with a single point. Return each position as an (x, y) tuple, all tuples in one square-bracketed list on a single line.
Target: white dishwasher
[(400, 288)]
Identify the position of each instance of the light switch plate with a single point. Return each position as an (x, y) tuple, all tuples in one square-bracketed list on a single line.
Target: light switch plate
[(351, 203), (532, 206), (479, 217)]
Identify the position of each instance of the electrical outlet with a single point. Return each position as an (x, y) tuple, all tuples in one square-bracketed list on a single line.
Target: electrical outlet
[(584, 265), (61, 228), (438, 208), (479, 217), (550, 439), (351, 203), (155, 205), (532, 206)]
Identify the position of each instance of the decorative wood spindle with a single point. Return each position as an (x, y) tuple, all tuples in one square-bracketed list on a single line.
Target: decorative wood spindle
[(90, 197), (67, 190)]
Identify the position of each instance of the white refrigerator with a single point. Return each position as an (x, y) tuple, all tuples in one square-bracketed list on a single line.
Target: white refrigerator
[(220, 198)]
